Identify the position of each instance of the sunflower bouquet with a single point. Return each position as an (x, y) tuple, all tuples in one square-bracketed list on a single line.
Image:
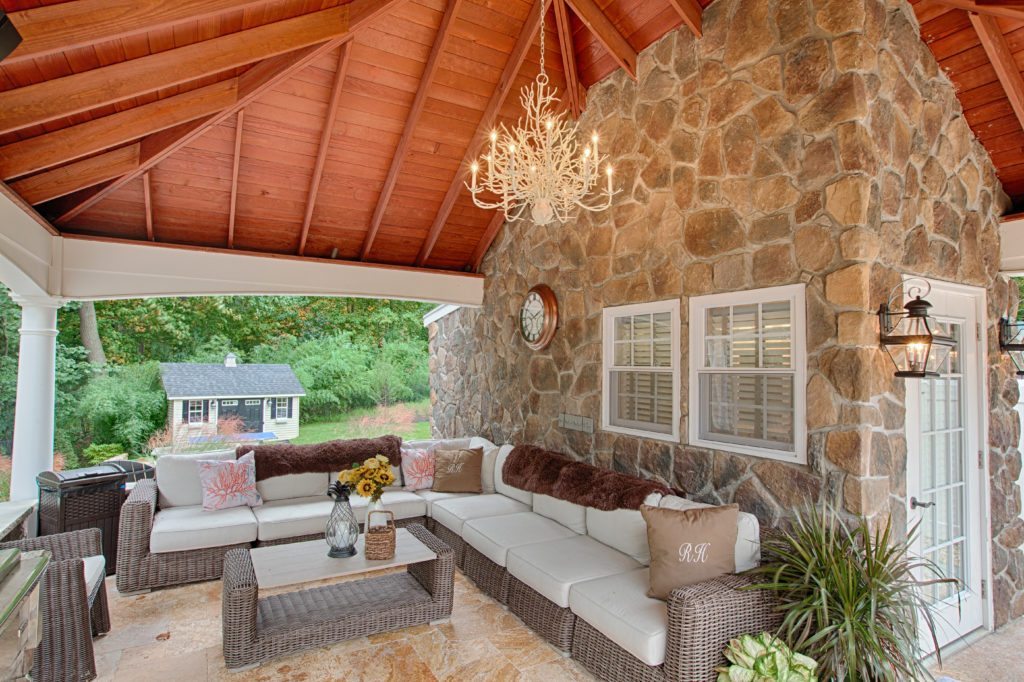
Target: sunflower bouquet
[(369, 478)]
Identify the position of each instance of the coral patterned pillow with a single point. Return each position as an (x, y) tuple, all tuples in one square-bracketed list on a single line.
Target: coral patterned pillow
[(418, 469), (229, 483)]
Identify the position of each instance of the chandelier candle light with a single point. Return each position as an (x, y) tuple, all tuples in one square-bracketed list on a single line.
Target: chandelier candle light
[(539, 164)]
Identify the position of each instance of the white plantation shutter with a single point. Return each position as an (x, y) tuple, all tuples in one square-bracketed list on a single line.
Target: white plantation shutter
[(748, 370), (641, 365)]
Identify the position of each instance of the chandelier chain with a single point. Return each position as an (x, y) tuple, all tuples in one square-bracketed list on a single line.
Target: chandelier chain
[(543, 72)]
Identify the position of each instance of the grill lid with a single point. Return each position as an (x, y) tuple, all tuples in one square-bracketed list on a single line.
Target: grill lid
[(84, 476)]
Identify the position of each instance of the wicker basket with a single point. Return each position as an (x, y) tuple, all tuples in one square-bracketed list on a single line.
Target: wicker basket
[(380, 540)]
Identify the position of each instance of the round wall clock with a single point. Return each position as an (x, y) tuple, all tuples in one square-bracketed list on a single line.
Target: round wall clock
[(538, 317)]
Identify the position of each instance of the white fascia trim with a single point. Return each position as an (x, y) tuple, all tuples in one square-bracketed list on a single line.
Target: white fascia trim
[(28, 250), (438, 313)]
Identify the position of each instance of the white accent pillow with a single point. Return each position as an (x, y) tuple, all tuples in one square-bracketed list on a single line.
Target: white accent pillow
[(229, 483)]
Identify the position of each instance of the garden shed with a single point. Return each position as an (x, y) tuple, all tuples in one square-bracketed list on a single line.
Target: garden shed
[(205, 400)]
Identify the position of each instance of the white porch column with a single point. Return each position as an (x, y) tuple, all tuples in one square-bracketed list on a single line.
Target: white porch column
[(32, 451)]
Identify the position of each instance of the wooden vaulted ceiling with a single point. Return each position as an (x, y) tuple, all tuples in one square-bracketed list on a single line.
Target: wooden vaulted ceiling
[(980, 44), (318, 128)]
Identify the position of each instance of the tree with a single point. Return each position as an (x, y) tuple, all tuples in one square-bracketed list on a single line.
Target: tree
[(90, 333)]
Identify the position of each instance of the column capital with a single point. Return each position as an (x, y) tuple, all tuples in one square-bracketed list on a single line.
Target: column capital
[(38, 301)]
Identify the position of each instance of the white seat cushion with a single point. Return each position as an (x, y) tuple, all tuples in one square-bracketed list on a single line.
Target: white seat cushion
[(551, 568), (183, 528), (618, 607), (432, 496), (95, 571), (524, 496), (623, 529), (496, 535), (293, 486), (454, 512), (748, 532), (404, 505), (291, 518), (177, 477)]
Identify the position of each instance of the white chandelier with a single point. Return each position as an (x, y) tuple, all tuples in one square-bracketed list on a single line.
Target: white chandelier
[(539, 164)]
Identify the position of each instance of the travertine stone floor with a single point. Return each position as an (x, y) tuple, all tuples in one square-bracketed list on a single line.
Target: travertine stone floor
[(175, 634), (998, 657)]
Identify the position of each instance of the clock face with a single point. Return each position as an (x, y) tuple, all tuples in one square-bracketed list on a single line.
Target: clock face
[(538, 317)]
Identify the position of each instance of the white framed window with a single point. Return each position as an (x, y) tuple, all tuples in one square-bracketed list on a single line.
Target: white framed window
[(640, 387), (229, 403), (281, 408), (748, 373), (252, 402), (195, 412)]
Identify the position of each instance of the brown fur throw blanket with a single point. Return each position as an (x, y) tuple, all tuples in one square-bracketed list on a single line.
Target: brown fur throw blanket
[(549, 473), (334, 455)]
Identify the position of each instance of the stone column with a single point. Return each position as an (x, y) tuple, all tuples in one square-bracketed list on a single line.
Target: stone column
[(34, 408)]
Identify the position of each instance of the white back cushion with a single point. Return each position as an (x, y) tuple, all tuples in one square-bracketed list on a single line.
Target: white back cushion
[(294, 486), (572, 516), (487, 468), (623, 529), (177, 477), (500, 486), (748, 532)]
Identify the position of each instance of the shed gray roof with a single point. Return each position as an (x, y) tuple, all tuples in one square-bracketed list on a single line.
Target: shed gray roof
[(188, 380)]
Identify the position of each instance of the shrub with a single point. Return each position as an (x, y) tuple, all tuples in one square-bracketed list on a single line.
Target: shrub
[(101, 452), (125, 405)]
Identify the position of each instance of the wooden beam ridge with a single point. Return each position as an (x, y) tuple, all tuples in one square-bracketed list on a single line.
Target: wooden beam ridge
[(58, 182), (325, 142), (998, 51), (147, 198), (692, 14), (67, 144), (402, 150), (501, 92), (49, 29), (490, 234), (49, 100), (992, 10), (598, 23), (568, 50), (236, 159)]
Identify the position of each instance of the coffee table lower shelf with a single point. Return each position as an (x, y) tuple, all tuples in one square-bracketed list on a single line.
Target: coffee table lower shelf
[(257, 630)]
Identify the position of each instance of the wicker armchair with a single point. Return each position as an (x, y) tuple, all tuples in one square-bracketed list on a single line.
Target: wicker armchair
[(71, 615)]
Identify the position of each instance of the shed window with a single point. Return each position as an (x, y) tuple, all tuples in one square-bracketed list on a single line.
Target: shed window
[(281, 408), (195, 412)]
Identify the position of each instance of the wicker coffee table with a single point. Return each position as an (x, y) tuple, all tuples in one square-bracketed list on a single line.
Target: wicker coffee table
[(257, 630)]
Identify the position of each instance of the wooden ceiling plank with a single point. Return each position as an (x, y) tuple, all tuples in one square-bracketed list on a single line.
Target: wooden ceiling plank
[(236, 159), (50, 29), (147, 198), (501, 92), (692, 14), (58, 182), (574, 90), (993, 10), (994, 42), (74, 142), (344, 55), (402, 150), (60, 97), (251, 84), (598, 23), (490, 234)]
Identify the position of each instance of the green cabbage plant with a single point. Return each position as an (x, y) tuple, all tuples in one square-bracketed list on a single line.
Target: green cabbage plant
[(765, 658)]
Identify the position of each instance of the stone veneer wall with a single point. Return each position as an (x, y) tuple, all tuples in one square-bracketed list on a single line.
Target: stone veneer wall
[(799, 141)]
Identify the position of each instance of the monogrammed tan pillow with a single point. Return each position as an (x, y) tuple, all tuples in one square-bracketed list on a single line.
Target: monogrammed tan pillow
[(689, 546), (458, 471)]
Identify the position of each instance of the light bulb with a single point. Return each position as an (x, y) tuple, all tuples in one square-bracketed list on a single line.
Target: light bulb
[(494, 136), (593, 138), (586, 152), (609, 170), (511, 149), (549, 124), (474, 167)]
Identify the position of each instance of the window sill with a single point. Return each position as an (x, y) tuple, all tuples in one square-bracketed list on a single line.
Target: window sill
[(749, 451), (280, 421), (652, 435)]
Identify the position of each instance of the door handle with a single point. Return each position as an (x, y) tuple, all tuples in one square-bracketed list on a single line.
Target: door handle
[(915, 504)]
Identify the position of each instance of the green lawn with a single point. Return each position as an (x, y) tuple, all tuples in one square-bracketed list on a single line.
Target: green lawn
[(411, 421)]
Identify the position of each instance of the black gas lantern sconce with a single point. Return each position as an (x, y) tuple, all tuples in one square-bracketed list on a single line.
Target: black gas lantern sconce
[(909, 336), (1011, 341)]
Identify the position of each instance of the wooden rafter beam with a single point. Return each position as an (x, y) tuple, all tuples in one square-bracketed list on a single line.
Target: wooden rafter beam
[(598, 23), (573, 88), (692, 14), (504, 87), (53, 99), (325, 142), (235, 161), (490, 234), (402, 150), (74, 142), (994, 42), (49, 29), (251, 84), (992, 10), (59, 182), (147, 199)]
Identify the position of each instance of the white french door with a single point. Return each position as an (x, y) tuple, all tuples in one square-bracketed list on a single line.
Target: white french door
[(945, 460)]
